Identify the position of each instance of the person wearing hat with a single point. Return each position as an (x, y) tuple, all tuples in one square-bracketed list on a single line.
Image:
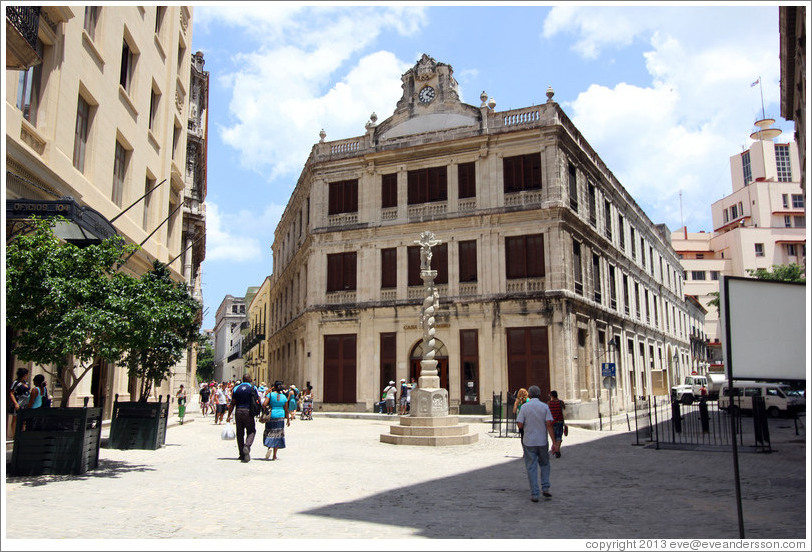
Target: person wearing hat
[(390, 392)]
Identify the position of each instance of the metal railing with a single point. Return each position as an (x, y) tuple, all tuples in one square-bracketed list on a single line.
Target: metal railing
[(504, 420), (26, 20), (700, 426)]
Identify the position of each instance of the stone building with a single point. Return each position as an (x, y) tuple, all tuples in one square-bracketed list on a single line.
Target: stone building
[(229, 321), (793, 46), (96, 114), (254, 345), (193, 237), (547, 268)]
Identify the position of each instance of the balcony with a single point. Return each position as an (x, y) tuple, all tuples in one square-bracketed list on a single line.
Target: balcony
[(526, 285), (254, 337), (526, 198), (22, 29)]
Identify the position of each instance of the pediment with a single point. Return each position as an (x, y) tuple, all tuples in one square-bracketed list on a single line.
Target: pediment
[(430, 122)]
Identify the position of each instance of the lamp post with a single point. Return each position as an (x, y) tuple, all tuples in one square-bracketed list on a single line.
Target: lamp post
[(612, 347), (676, 368)]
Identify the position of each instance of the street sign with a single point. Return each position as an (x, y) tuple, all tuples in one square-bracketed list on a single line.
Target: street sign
[(609, 383), (608, 369)]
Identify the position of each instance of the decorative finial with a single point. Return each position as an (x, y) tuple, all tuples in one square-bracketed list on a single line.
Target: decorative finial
[(550, 94), (491, 103), (373, 118), (322, 135), (484, 98)]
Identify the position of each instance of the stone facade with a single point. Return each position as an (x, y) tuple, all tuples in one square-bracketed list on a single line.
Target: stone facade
[(793, 47), (123, 72), (194, 207), (547, 260), (255, 350), (229, 323)]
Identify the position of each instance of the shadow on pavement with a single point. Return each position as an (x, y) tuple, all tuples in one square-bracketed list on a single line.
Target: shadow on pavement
[(106, 468), (603, 488)]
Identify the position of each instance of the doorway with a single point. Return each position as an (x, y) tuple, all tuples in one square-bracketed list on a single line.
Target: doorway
[(442, 362), (528, 359)]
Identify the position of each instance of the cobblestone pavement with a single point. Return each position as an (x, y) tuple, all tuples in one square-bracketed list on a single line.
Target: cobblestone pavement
[(336, 480)]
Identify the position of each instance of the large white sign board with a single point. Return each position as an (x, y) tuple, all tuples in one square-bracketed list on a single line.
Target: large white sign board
[(764, 327)]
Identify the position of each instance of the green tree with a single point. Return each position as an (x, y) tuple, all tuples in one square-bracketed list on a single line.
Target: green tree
[(780, 273), (66, 302), (205, 361), (163, 321)]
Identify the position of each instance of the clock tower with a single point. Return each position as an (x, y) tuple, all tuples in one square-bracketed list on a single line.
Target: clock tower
[(427, 85), (430, 103)]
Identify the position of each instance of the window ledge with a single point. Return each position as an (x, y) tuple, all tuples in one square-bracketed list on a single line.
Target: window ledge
[(153, 141), (30, 136), (90, 45), (127, 101), (161, 50)]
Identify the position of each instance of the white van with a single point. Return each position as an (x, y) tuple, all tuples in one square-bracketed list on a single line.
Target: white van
[(776, 400)]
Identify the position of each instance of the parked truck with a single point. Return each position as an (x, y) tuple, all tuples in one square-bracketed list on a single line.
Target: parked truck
[(694, 387)]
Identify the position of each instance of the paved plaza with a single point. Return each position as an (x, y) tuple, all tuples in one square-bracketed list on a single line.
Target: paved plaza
[(336, 480)]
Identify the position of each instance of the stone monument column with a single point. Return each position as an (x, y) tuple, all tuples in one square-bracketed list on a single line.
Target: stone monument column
[(429, 399), (428, 422)]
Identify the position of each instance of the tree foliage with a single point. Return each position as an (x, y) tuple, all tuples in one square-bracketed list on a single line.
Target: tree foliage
[(66, 301), (780, 273), (205, 361), (163, 323), (72, 309)]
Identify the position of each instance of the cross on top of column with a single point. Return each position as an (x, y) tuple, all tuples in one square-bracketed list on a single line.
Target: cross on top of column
[(426, 242)]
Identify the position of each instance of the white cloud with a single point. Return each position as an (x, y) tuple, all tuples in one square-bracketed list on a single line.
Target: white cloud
[(237, 237), (282, 96), (678, 131)]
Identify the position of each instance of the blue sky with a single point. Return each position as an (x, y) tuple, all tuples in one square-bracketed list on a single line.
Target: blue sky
[(663, 95)]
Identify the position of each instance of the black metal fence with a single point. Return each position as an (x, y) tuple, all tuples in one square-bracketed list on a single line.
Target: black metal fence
[(504, 420), (670, 424)]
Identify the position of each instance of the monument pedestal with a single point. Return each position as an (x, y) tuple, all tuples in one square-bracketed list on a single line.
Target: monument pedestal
[(428, 423)]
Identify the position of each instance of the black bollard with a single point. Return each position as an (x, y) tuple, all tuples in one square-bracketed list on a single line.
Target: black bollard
[(704, 419), (676, 418)]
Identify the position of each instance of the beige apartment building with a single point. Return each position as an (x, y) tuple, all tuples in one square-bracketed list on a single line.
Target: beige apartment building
[(97, 109), (254, 345), (547, 269), (761, 223)]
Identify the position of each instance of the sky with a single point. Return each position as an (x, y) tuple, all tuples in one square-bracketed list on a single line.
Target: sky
[(664, 95)]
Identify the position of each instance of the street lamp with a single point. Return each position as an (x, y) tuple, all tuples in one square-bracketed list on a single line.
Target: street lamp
[(676, 367)]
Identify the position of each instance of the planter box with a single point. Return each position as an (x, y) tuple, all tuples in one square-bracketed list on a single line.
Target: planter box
[(137, 425), (57, 441)]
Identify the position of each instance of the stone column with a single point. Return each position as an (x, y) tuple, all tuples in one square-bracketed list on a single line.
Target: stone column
[(429, 399)]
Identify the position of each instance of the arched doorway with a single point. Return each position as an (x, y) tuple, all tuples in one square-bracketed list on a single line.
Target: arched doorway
[(441, 357)]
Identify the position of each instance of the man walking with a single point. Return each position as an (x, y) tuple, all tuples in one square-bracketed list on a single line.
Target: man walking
[(557, 410), (537, 422), (241, 398)]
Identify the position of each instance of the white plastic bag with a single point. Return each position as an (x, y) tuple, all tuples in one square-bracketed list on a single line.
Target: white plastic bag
[(228, 432)]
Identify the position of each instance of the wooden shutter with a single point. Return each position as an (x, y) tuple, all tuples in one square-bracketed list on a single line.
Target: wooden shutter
[(389, 266), (466, 175), (389, 190), (468, 261)]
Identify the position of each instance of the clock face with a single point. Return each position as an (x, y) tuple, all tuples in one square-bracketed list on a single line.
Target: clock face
[(426, 94)]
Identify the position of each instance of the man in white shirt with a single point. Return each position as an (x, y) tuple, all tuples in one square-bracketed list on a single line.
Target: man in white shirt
[(391, 392), (536, 420)]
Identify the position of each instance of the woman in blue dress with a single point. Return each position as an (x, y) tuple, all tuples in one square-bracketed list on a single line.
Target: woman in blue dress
[(274, 436)]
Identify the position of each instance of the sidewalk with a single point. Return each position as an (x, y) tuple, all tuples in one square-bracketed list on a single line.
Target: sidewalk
[(336, 480)]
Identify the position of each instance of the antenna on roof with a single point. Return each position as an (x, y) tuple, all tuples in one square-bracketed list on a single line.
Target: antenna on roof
[(682, 219)]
